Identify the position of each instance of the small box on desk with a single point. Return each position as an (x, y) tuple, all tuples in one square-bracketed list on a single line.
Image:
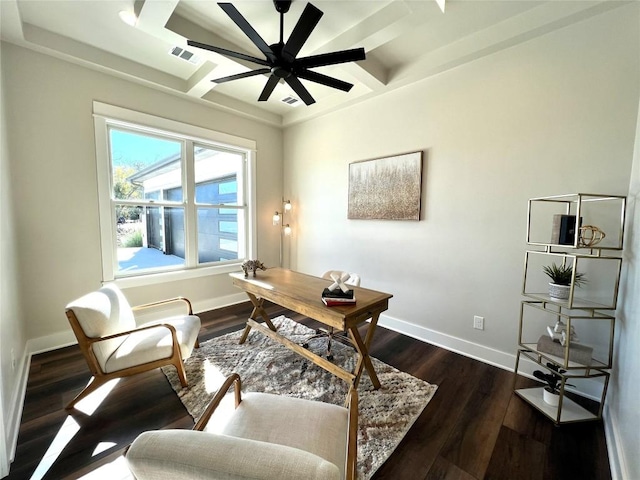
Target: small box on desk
[(335, 298), (337, 293)]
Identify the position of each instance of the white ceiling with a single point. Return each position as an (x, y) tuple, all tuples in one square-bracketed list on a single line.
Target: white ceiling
[(405, 41)]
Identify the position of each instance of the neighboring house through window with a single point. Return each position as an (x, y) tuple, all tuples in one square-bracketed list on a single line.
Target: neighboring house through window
[(173, 197)]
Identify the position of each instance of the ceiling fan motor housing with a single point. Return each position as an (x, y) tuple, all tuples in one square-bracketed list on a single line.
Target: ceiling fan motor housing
[(282, 6)]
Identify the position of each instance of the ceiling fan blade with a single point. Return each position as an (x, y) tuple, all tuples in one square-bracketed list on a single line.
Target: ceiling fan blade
[(302, 92), (268, 88), (228, 53), (248, 30), (332, 58), (325, 80), (238, 76), (307, 22)]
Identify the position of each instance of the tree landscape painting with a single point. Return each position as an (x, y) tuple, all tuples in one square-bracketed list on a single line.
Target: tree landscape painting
[(386, 188)]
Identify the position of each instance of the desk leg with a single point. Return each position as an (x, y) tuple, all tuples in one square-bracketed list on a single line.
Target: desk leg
[(257, 310), (364, 360)]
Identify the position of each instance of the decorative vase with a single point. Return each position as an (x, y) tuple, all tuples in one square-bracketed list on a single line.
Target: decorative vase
[(550, 398), (561, 292)]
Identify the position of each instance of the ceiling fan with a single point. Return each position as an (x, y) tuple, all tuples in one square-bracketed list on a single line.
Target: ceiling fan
[(280, 58)]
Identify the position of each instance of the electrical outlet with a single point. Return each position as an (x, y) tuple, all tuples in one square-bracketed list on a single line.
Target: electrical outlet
[(478, 322)]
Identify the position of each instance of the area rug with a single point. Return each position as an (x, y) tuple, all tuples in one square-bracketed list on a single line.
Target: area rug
[(385, 415)]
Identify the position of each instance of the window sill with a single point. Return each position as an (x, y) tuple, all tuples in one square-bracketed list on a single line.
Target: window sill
[(175, 276)]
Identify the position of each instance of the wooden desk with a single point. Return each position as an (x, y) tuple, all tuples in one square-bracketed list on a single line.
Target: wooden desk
[(301, 293)]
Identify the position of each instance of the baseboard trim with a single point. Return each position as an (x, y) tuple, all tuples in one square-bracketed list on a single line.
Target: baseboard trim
[(491, 356), (15, 407), (485, 354), (617, 460), (219, 302)]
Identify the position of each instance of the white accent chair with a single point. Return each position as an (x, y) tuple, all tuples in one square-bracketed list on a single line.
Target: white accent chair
[(114, 346), (267, 437)]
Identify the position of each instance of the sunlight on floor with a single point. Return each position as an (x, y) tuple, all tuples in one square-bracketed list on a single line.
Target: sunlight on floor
[(102, 446), (116, 470), (89, 404), (213, 380), (213, 377), (63, 437), (69, 428)]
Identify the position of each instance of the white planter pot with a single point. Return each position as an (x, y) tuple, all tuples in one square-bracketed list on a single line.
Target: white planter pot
[(561, 292), (550, 398)]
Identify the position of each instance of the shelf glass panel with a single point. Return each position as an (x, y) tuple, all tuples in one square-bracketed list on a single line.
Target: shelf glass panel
[(595, 364)]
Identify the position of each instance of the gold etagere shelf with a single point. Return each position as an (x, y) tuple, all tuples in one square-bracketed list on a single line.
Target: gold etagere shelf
[(571, 337)]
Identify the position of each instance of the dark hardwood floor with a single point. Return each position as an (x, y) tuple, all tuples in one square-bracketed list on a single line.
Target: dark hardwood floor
[(473, 428)]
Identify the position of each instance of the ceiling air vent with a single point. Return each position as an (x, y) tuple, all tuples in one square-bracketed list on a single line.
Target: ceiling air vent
[(291, 101), (184, 54)]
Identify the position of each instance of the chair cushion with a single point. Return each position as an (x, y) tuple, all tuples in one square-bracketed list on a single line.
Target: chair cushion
[(154, 344), (315, 427), (101, 313), (193, 455)]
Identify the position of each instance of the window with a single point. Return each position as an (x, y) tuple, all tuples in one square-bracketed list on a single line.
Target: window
[(173, 197)]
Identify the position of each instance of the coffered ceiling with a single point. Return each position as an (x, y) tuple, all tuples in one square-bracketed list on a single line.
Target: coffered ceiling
[(405, 41)]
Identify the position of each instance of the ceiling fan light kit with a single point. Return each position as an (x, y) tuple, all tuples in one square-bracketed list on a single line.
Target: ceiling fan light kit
[(280, 61)]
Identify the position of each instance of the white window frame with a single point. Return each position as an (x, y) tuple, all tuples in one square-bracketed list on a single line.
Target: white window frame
[(104, 116)]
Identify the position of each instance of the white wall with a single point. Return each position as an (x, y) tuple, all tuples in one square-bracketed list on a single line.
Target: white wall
[(553, 115), (12, 322), (49, 121), (622, 405)]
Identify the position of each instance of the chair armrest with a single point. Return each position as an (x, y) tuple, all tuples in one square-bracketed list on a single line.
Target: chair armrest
[(352, 436), (233, 379), (139, 329), (171, 454), (165, 302)]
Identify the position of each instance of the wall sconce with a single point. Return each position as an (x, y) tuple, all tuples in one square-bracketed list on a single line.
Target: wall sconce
[(279, 220)]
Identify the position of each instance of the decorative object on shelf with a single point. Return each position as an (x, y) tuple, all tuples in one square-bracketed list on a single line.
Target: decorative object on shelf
[(577, 353), (590, 236), (560, 276), (558, 333), (279, 221), (553, 379), (386, 188), (563, 231), (252, 266)]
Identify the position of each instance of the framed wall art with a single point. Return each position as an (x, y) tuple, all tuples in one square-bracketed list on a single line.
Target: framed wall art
[(387, 188)]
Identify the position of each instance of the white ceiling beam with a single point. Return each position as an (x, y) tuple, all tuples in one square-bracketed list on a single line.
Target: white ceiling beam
[(384, 25), (153, 15), (81, 53), (200, 82), (545, 18)]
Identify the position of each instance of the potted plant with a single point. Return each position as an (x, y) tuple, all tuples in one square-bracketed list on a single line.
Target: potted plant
[(560, 276), (551, 393)]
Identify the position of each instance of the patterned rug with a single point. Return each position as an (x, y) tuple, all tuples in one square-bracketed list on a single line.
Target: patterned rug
[(385, 415)]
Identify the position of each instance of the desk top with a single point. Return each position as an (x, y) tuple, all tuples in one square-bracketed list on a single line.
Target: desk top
[(302, 293)]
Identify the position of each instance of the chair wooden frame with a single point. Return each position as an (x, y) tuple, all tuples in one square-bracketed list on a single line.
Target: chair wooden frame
[(100, 378), (352, 405)]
